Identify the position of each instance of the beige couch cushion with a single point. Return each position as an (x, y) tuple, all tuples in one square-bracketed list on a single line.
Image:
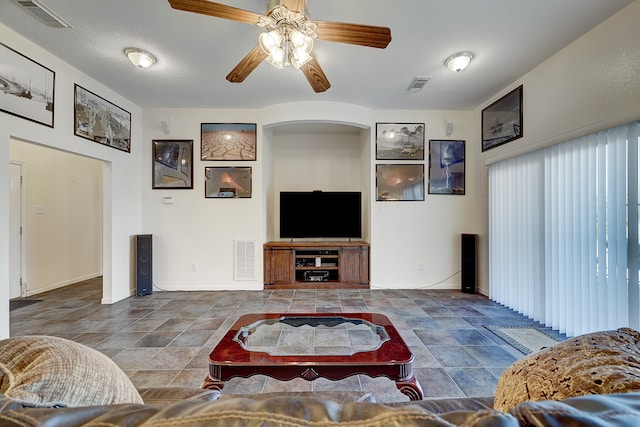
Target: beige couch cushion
[(596, 363), (50, 371)]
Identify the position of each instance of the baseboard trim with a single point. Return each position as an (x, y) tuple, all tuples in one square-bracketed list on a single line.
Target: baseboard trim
[(53, 286)]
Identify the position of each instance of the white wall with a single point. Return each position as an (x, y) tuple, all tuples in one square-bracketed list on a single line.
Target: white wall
[(307, 161), (121, 173), (63, 239), (201, 232), (591, 85), (196, 233), (417, 244)]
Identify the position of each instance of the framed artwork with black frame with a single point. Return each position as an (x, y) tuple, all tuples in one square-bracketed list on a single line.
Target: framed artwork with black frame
[(227, 182), (502, 120), (101, 121), (228, 141), (399, 141), (172, 163), (446, 166), (26, 87), (399, 182)]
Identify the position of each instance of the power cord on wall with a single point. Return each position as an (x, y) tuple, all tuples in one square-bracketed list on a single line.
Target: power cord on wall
[(158, 287), (373, 287), (428, 286)]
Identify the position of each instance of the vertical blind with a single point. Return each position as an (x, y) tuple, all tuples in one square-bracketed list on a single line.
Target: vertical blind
[(563, 233)]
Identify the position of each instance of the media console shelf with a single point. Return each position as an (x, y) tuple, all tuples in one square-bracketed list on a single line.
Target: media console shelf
[(318, 265)]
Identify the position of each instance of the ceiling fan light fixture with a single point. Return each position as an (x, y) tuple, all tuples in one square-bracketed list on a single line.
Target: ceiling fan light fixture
[(140, 58), (288, 36), (458, 61), (277, 57), (299, 57), (270, 41)]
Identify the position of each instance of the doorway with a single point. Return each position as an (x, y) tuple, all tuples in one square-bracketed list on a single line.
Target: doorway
[(56, 216), (15, 230)]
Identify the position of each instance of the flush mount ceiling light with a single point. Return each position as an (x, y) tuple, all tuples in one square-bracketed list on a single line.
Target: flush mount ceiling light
[(139, 57), (458, 61)]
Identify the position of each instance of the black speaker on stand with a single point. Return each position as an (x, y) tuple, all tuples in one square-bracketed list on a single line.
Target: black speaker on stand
[(144, 266), (468, 264)]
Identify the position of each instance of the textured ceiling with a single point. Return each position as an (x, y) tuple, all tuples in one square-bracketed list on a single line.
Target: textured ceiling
[(195, 52)]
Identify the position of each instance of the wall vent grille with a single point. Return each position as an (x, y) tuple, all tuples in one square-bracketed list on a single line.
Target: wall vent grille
[(245, 260), (43, 13)]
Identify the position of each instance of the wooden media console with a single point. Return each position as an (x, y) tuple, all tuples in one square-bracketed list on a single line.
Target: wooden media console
[(322, 264)]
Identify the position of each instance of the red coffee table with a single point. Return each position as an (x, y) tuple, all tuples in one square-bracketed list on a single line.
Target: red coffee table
[(390, 358)]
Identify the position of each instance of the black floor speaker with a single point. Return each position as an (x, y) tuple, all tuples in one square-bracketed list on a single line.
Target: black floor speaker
[(468, 264), (144, 266)]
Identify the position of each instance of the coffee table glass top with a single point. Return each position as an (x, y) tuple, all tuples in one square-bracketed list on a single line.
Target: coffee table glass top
[(311, 335)]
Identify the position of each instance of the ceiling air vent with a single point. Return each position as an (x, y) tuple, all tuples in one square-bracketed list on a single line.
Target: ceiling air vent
[(43, 13), (418, 83)]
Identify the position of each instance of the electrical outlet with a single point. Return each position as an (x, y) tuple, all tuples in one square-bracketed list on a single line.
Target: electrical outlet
[(421, 266), (194, 268)]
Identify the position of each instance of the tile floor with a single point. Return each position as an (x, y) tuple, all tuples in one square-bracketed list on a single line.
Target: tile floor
[(164, 338)]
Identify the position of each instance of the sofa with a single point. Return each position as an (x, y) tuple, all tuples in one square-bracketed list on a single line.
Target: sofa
[(591, 380)]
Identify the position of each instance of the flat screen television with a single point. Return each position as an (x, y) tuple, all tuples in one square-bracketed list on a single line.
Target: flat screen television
[(320, 214)]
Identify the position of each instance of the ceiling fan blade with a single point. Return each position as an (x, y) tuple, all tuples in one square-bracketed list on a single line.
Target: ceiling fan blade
[(294, 5), (218, 10), (316, 77), (247, 65), (362, 35)]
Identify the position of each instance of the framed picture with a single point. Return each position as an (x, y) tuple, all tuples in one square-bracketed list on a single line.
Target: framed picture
[(395, 182), (101, 121), (227, 182), (227, 141), (400, 141), (26, 87), (173, 163), (502, 120), (446, 166)]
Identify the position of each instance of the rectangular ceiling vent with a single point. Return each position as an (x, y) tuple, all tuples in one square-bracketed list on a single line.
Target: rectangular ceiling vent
[(43, 13), (418, 83), (245, 260)]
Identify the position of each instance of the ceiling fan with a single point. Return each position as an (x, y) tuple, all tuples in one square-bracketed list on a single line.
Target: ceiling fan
[(288, 37)]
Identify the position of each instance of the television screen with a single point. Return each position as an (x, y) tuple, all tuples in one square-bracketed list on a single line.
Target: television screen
[(330, 214)]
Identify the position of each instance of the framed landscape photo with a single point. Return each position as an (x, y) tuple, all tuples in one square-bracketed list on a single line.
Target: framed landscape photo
[(26, 87), (400, 141), (502, 120), (399, 182), (101, 121), (228, 141), (173, 163), (227, 182), (446, 166)]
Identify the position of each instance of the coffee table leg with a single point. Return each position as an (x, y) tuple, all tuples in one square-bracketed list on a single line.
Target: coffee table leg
[(210, 384), (410, 387)]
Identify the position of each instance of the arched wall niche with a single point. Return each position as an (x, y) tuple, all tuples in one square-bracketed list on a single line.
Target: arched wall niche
[(315, 146)]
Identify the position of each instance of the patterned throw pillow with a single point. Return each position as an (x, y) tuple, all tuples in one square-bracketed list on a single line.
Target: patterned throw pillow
[(47, 371), (597, 363)]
